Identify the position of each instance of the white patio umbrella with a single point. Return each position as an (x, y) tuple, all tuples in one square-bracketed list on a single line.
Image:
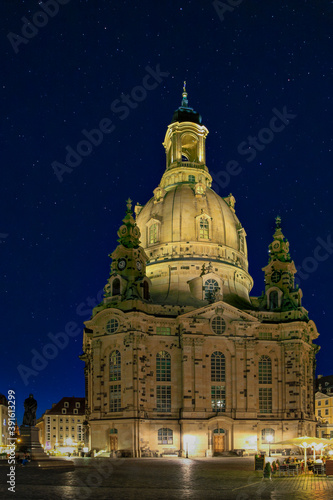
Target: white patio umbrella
[(307, 442)]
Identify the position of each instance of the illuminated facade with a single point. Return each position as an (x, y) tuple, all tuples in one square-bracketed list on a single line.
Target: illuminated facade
[(3, 421), (61, 427), (178, 357), (324, 406)]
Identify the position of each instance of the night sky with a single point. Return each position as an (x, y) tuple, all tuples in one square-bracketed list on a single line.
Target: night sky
[(243, 65)]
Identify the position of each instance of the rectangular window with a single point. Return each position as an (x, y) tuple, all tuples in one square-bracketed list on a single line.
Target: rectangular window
[(265, 400), (265, 370), (326, 411), (163, 398), (319, 413), (265, 335), (218, 397), (163, 367), (319, 403), (204, 229), (115, 397), (153, 234), (163, 330), (326, 402)]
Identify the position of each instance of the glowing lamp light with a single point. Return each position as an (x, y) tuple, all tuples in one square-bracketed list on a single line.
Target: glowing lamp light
[(189, 444), (69, 441), (269, 438), (85, 449)]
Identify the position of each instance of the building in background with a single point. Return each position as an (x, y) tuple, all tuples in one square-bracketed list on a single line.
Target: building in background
[(179, 359), (61, 427), (3, 422), (324, 406)]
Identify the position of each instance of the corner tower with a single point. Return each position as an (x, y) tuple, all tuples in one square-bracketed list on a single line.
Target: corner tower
[(186, 225)]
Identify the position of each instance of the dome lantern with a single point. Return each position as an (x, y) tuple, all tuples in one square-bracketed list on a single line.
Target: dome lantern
[(184, 145)]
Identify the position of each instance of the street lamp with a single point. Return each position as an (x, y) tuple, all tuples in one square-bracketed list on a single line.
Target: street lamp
[(269, 439)]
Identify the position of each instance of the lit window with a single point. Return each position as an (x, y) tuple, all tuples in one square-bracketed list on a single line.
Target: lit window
[(163, 398), (191, 178), (153, 234), (163, 367), (163, 330), (265, 335), (165, 436), (204, 229), (115, 397), (211, 288), (267, 432), (265, 400), (217, 367), (218, 397), (112, 325), (115, 366), (265, 370), (218, 325)]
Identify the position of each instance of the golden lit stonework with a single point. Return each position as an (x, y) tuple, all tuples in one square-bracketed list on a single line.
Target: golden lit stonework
[(179, 358)]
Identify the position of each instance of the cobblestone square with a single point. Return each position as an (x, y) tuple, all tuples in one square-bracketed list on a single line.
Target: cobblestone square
[(154, 479)]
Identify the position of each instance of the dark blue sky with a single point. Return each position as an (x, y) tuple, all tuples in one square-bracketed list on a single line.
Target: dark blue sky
[(242, 67)]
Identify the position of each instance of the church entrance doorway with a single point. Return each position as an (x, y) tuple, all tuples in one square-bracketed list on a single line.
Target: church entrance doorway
[(113, 440), (218, 441)]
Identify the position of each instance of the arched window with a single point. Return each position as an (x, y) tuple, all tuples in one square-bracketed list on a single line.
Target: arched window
[(217, 365), (204, 229), (265, 370), (146, 290), (115, 366), (116, 287), (163, 367), (268, 435), (165, 436), (153, 234), (273, 300), (211, 288), (218, 375)]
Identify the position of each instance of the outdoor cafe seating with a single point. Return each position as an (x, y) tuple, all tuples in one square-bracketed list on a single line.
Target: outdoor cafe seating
[(319, 469), (289, 469)]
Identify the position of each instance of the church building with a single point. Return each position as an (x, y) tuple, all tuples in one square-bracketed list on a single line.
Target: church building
[(179, 358)]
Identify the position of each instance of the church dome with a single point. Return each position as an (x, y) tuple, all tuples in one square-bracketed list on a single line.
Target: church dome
[(180, 216), (190, 234)]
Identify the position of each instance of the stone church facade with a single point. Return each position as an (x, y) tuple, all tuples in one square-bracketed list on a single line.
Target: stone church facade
[(179, 359)]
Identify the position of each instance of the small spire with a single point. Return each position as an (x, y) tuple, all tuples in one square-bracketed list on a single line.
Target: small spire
[(129, 206), (278, 222), (184, 100)]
